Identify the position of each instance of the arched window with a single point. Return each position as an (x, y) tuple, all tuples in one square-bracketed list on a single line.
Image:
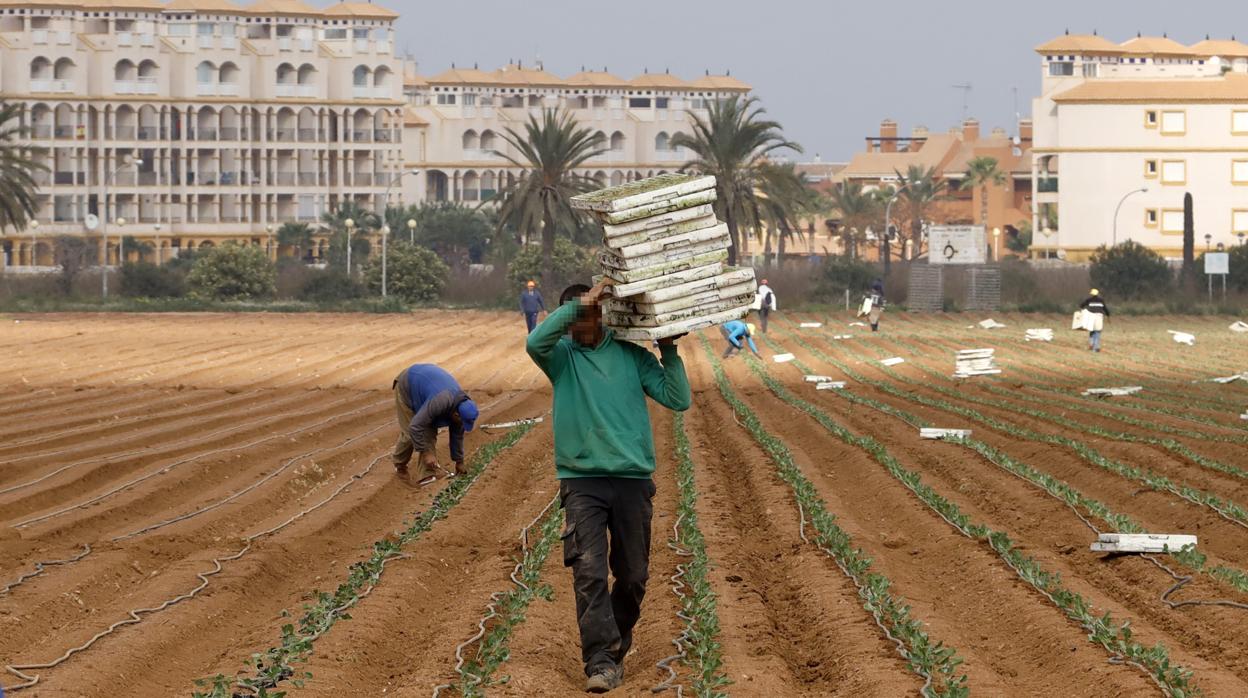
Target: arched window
[(286, 74), (41, 69), (471, 141), (64, 69), (124, 71), (661, 142), (488, 140), (148, 69), (228, 73), (617, 142), (307, 74), (617, 178), (471, 186), (381, 78), (359, 77), (206, 73)]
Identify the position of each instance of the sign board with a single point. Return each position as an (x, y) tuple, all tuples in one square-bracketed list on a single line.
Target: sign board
[(957, 244), (1217, 263)]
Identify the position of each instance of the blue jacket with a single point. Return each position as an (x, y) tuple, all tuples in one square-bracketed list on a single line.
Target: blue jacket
[(433, 394), (736, 330), (531, 302)]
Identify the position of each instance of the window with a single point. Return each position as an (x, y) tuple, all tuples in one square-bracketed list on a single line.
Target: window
[(1090, 70), (1150, 218), (1173, 123), (470, 100), (1239, 123), (1239, 221), (1239, 172), (1061, 69), (639, 102), (1174, 172), (1150, 119), (446, 98), (1172, 221), (1150, 168), (660, 102)]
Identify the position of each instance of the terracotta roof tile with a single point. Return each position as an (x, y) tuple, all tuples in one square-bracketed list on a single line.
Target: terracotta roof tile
[(360, 9), (1225, 48), (658, 80), (1079, 43), (1231, 87), (1154, 46), (720, 82)]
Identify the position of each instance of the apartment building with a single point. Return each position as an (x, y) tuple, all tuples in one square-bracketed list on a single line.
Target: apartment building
[(456, 121), (1124, 130), (189, 123), (948, 154)]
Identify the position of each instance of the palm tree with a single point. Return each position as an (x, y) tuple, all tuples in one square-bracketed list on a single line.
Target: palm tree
[(780, 198), (921, 189), (365, 221), (859, 210), (296, 235), (732, 143), (980, 172), (17, 168), (550, 152)]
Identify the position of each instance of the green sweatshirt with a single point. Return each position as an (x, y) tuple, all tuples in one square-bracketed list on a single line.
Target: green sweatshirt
[(602, 427)]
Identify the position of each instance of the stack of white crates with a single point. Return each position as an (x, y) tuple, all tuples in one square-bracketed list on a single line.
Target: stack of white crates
[(975, 362), (666, 252)]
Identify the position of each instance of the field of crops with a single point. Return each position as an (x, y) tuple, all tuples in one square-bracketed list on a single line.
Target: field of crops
[(205, 504)]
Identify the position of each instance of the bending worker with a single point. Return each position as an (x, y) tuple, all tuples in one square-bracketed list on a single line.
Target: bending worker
[(531, 304), (1094, 313), (427, 398), (734, 331), (604, 459)]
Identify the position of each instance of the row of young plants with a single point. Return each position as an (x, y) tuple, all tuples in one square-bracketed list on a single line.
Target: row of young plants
[(1135, 404), (1168, 444), (929, 658), (269, 669), (698, 643), (1115, 637), (1189, 556), (1226, 509), (508, 611)]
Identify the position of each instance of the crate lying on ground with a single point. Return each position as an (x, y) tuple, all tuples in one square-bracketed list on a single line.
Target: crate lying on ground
[(1141, 543), (1114, 392), (1044, 334), (666, 252), (975, 362)]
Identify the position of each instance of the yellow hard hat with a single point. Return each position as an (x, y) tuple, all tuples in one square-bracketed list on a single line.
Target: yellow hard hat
[(749, 327), (1096, 292), (531, 284)]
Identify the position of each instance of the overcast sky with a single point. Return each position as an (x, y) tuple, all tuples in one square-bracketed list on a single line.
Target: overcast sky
[(827, 70)]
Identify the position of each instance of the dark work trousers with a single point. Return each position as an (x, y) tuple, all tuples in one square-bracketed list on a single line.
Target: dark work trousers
[(594, 506), (731, 348), (530, 319)]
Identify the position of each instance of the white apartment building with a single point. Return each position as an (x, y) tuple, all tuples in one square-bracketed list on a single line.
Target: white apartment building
[(1123, 131), (456, 121), (194, 122)]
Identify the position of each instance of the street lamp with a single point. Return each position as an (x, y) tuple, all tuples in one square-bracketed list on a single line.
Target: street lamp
[(996, 244), (1241, 238), (34, 246), (411, 231), (350, 224), (269, 245), (385, 234), (888, 216), (1221, 247), (1208, 239), (1141, 190), (138, 162), (159, 254)]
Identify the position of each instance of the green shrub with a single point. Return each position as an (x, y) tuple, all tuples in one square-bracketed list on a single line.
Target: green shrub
[(413, 273), (840, 273), (146, 280), (1130, 271), (572, 265), (233, 272), (328, 286)]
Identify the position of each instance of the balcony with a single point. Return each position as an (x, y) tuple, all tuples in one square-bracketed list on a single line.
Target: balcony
[(229, 133), (1046, 185), (307, 179), (40, 132), (206, 89), (383, 136), (55, 86), (361, 136), (147, 179), (367, 92), (284, 179), (307, 135), (284, 134), (228, 89), (362, 179), (124, 133), (285, 90), (151, 133), (203, 134), (229, 179)]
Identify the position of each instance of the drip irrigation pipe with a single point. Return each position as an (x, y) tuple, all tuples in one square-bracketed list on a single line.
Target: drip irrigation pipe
[(680, 640), (40, 566)]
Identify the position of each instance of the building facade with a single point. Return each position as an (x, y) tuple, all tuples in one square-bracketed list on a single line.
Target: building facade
[(190, 123), (1124, 130), (456, 122)]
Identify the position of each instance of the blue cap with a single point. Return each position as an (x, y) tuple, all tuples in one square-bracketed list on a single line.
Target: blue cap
[(468, 412)]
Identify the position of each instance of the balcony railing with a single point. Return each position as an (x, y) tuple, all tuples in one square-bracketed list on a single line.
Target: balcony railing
[(228, 89), (51, 86), (124, 87), (361, 45), (64, 131), (146, 85), (283, 43), (229, 133), (383, 136), (362, 179), (229, 42), (229, 179), (151, 133), (285, 89), (147, 179), (1046, 185), (203, 134), (361, 136), (40, 132), (307, 179), (283, 179), (307, 135), (124, 133), (206, 42), (284, 134), (205, 88)]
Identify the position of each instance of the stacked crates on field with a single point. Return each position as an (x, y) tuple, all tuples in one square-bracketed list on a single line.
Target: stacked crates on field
[(666, 252)]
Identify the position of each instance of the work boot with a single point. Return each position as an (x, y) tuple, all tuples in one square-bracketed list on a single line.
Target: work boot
[(604, 680)]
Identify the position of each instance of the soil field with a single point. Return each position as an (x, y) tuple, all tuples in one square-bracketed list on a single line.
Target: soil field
[(180, 493)]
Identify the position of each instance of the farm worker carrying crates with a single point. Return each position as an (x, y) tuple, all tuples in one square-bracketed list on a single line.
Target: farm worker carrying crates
[(734, 331), (604, 459), (873, 305), (764, 303), (1091, 317), (427, 398)]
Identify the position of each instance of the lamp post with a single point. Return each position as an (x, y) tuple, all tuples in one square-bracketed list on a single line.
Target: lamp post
[(104, 225), (34, 246), (350, 224), (1208, 239), (1141, 190), (269, 244), (411, 231), (996, 244), (888, 216), (159, 254), (1241, 238), (385, 234)]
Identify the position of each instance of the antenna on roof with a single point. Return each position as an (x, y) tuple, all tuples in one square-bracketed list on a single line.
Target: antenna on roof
[(966, 94)]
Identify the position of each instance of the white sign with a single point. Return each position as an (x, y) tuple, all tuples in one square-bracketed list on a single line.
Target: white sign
[(1217, 263), (957, 244)]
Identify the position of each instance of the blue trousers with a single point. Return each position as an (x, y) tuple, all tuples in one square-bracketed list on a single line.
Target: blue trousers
[(530, 319), (1094, 340)]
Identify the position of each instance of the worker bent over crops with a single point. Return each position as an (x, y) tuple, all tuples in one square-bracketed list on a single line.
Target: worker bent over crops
[(427, 398), (604, 459)]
